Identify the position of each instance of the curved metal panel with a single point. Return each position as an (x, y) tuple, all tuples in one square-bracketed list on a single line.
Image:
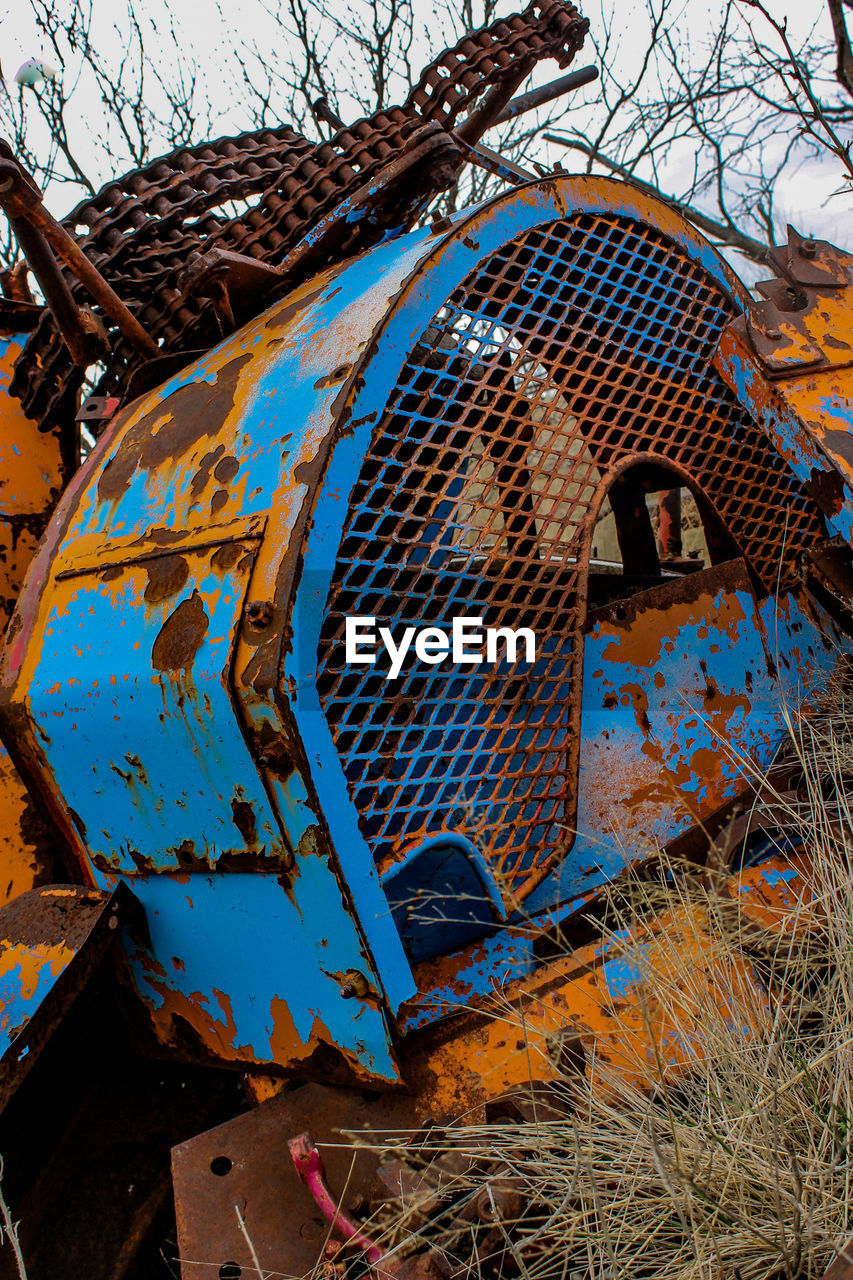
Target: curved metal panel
[(562, 330)]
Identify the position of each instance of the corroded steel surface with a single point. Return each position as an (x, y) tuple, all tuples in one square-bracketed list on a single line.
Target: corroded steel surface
[(139, 231), (790, 361), (575, 352), (51, 939), (162, 677), (164, 765), (593, 1010), (32, 474)]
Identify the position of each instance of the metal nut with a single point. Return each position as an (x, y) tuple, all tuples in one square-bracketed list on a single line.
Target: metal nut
[(259, 613), (355, 986)]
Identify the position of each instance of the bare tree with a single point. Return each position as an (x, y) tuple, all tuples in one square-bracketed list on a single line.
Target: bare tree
[(716, 118), (738, 112)]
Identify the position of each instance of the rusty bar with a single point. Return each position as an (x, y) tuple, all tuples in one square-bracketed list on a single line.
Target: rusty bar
[(22, 201), (484, 116), (547, 93), (485, 158), (634, 528), (85, 341), (324, 114)]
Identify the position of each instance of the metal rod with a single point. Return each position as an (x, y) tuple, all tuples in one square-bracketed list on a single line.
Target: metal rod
[(490, 107), (323, 113), (22, 200), (547, 93), (487, 159), (82, 340)]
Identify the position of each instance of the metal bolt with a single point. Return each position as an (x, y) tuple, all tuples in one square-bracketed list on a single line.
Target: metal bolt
[(808, 248), (265, 761), (774, 333), (354, 986), (259, 613)]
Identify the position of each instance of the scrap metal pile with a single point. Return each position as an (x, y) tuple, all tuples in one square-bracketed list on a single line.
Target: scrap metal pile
[(238, 864)]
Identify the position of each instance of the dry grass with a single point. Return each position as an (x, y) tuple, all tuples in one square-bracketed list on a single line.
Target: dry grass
[(738, 1167)]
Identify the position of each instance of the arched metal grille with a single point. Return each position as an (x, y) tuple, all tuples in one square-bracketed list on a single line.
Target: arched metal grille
[(569, 351)]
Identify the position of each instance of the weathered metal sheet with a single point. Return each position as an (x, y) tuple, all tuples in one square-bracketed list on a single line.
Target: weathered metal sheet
[(222, 452), (32, 473), (178, 620), (51, 939)]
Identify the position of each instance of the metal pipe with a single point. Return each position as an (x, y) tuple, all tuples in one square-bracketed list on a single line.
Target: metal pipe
[(490, 107), (21, 200), (309, 1166), (323, 113), (487, 159), (547, 93), (80, 331)]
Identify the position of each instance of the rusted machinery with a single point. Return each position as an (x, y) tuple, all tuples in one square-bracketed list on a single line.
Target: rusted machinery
[(327, 408)]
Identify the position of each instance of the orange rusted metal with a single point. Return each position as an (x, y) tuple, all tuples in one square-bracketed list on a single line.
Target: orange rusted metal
[(32, 474), (390, 877)]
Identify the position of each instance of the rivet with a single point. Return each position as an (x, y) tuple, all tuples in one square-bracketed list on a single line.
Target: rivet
[(355, 985), (259, 613)]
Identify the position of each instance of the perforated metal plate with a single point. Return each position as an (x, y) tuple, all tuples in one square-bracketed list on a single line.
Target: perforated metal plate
[(573, 351)]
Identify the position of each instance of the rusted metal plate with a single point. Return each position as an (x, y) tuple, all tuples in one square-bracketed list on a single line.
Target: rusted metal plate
[(841, 1267), (28, 855), (51, 939), (341, 441), (32, 474), (243, 1169)]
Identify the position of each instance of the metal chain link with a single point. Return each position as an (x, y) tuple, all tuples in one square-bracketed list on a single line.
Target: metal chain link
[(140, 230)]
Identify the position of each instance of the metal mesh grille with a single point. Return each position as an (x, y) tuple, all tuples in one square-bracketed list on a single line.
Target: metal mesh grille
[(570, 350)]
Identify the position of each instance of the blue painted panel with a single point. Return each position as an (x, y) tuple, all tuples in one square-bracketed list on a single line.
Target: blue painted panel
[(259, 969), (148, 759)]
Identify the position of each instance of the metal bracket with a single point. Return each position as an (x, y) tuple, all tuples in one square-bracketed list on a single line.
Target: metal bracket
[(806, 309)]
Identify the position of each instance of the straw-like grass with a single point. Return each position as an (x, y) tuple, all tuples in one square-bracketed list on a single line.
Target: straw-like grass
[(737, 1166)]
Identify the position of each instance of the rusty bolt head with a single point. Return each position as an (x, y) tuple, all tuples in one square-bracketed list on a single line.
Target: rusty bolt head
[(774, 334), (808, 248), (354, 986), (259, 613)]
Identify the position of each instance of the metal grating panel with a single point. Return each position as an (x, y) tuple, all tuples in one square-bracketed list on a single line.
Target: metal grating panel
[(572, 349)]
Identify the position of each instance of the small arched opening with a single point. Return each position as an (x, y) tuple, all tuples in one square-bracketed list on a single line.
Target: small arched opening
[(653, 525)]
